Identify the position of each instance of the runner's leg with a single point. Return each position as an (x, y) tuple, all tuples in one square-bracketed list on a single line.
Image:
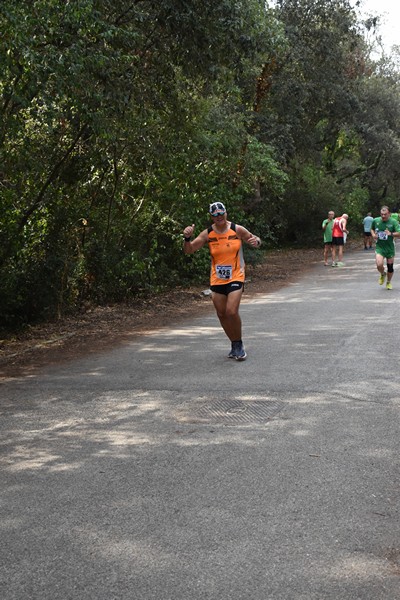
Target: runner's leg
[(227, 308)]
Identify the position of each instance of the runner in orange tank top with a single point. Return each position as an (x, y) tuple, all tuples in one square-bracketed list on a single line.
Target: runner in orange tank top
[(224, 240), (339, 234)]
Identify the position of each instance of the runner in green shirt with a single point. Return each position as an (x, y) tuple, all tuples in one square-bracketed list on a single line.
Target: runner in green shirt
[(327, 225), (384, 229)]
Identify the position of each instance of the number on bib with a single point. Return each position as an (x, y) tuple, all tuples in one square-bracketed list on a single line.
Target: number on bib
[(224, 271)]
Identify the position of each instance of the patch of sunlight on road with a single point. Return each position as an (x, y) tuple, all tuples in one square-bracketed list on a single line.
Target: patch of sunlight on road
[(173, 333), (10, 524), (388, 300), (118, 438), (22, 459), (256, 397), (380, 453), (146, 555), (267, 334), (276, 300), (202, 330), (364, 566)]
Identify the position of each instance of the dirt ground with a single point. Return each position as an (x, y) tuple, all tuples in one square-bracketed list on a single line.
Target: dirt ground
[(105, 327)]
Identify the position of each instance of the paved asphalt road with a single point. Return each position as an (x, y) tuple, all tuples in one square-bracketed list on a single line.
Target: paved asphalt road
[(164, 471)]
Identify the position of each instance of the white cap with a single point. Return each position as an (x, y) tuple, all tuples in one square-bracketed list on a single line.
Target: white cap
[(217, 207)]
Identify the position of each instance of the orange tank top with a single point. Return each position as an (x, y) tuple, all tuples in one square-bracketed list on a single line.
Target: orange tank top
[(227, 262), (337, 231)]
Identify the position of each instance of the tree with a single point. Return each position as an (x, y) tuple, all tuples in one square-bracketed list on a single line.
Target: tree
[(105, 116)]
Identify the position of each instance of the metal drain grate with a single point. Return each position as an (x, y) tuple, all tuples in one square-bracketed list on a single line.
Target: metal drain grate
[(234, 412)]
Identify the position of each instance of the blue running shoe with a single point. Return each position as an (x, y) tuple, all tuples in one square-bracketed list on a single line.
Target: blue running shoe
[(232, 353), (237, 351), (240, 351)]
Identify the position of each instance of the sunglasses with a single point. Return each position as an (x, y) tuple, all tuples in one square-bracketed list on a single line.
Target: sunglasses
[(217, 214)]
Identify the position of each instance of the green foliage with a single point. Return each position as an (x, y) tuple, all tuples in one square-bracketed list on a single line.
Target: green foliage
[(314, 194), (356, 204)]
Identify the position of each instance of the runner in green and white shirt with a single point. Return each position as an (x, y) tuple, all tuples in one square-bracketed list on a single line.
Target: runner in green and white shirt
[(384, 229), (327, 225)]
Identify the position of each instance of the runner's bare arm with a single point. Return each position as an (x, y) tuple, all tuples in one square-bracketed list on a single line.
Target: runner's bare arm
[(246, 236), (189, 246)]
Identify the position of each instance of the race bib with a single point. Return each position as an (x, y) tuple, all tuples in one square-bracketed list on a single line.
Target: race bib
[(382, 235), (224, 271)]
